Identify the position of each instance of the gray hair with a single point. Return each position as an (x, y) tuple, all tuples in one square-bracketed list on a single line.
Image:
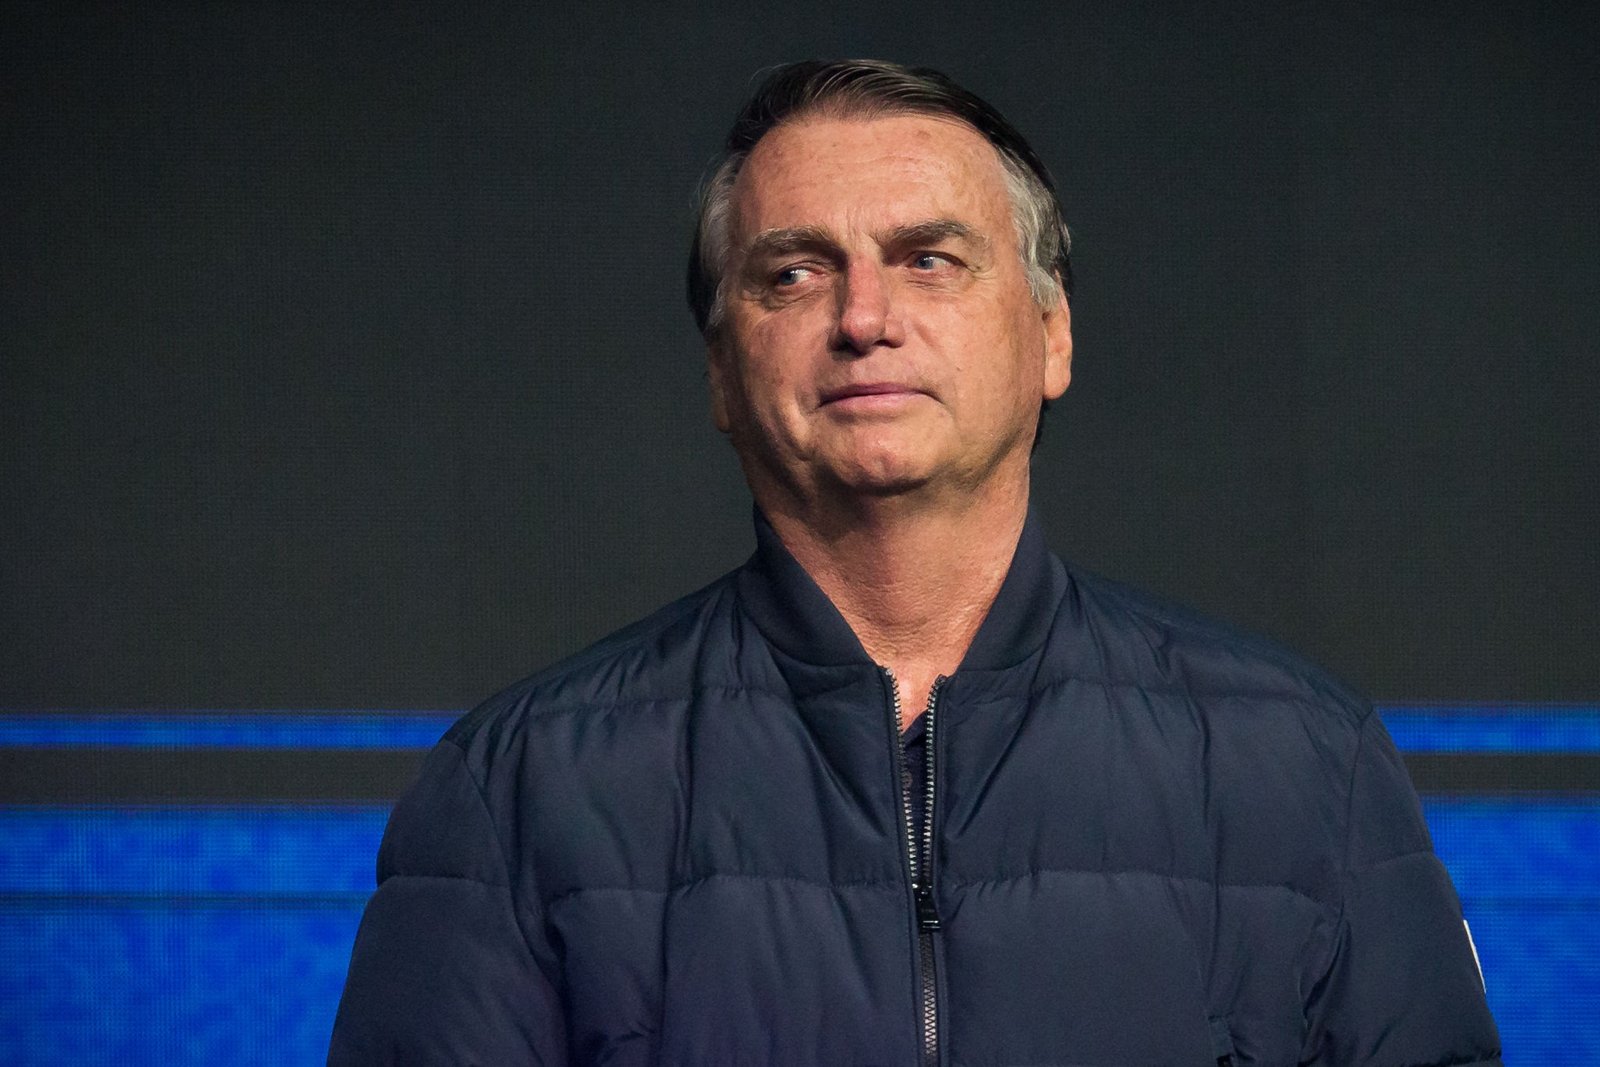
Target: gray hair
[(869, 88)]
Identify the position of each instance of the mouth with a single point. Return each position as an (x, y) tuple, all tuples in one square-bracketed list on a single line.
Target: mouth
[(869, 393)]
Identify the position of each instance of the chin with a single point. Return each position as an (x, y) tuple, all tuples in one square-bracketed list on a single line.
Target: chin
[(882, 475), (885, 488)]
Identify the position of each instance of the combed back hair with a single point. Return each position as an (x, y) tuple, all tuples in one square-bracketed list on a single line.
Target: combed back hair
[(870, 88)]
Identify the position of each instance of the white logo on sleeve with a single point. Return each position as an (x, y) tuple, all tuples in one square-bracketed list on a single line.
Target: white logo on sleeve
[(1476, 961)]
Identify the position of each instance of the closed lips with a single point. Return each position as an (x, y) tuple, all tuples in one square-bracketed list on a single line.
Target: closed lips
[(867, 389)]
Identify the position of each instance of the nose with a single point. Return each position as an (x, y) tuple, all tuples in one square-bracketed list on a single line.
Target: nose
[(868, 313)]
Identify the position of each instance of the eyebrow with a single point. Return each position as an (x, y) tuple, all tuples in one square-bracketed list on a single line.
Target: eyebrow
[(786, 240), (783, 241), (932, 232)]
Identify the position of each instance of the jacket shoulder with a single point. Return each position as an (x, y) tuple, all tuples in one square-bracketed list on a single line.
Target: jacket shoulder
[(1143, 640), (663, 656)]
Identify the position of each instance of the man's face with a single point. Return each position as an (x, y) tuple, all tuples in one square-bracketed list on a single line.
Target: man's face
[(879, 333)]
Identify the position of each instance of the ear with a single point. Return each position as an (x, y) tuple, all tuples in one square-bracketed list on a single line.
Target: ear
[(716, 378), (1058, 347)]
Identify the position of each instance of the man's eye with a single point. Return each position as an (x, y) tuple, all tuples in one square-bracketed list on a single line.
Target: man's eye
[(929, 261), (790, 276)]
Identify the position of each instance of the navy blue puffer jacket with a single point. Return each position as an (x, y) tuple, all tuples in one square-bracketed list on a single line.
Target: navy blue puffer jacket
[(1153, 842)]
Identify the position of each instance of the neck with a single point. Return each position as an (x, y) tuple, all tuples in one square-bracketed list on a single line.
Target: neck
[(913, 581)]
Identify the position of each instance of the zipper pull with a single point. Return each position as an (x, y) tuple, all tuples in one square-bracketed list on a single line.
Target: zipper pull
[(927, 912)]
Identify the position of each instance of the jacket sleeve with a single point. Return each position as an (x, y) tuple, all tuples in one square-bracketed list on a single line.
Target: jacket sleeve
[(443, 972), (1402, 986)]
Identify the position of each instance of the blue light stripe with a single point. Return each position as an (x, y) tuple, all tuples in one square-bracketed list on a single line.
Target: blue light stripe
[(1546, 728), (1415, 728), (222, 729)]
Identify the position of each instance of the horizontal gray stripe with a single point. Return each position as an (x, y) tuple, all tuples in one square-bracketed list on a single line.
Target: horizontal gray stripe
[(1496, 772), (116, 775)]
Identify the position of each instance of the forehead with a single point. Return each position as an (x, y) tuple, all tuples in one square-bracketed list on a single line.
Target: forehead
[(849, 173)]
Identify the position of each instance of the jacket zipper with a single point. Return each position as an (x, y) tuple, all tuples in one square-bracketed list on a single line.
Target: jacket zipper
[(919, 856)]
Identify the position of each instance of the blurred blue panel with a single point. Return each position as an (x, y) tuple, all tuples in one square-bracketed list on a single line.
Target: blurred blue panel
[(297, 729), (1541, 963), (258, 850), (201, 986), (1494, 728), (201, 935), (170, 986), (1528, 874), (1518, 848)]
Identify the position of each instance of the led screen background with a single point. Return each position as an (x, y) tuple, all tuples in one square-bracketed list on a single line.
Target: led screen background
[(345, 378)]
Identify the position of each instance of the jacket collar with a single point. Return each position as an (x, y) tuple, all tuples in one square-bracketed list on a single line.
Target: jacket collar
[(793, 613)]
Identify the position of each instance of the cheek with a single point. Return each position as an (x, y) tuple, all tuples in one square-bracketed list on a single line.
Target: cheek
[(776, 359), (994, 344), (1012, 363)]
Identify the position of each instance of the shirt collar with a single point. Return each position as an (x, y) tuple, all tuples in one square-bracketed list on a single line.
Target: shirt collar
[(793, 613)]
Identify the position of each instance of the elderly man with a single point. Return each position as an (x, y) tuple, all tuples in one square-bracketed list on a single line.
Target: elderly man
[(904, 788)]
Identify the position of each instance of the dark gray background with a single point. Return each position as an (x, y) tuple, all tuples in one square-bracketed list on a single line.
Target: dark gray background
[(345, 362)]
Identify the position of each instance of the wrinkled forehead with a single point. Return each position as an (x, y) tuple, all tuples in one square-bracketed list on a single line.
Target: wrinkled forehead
[(898, 168)]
